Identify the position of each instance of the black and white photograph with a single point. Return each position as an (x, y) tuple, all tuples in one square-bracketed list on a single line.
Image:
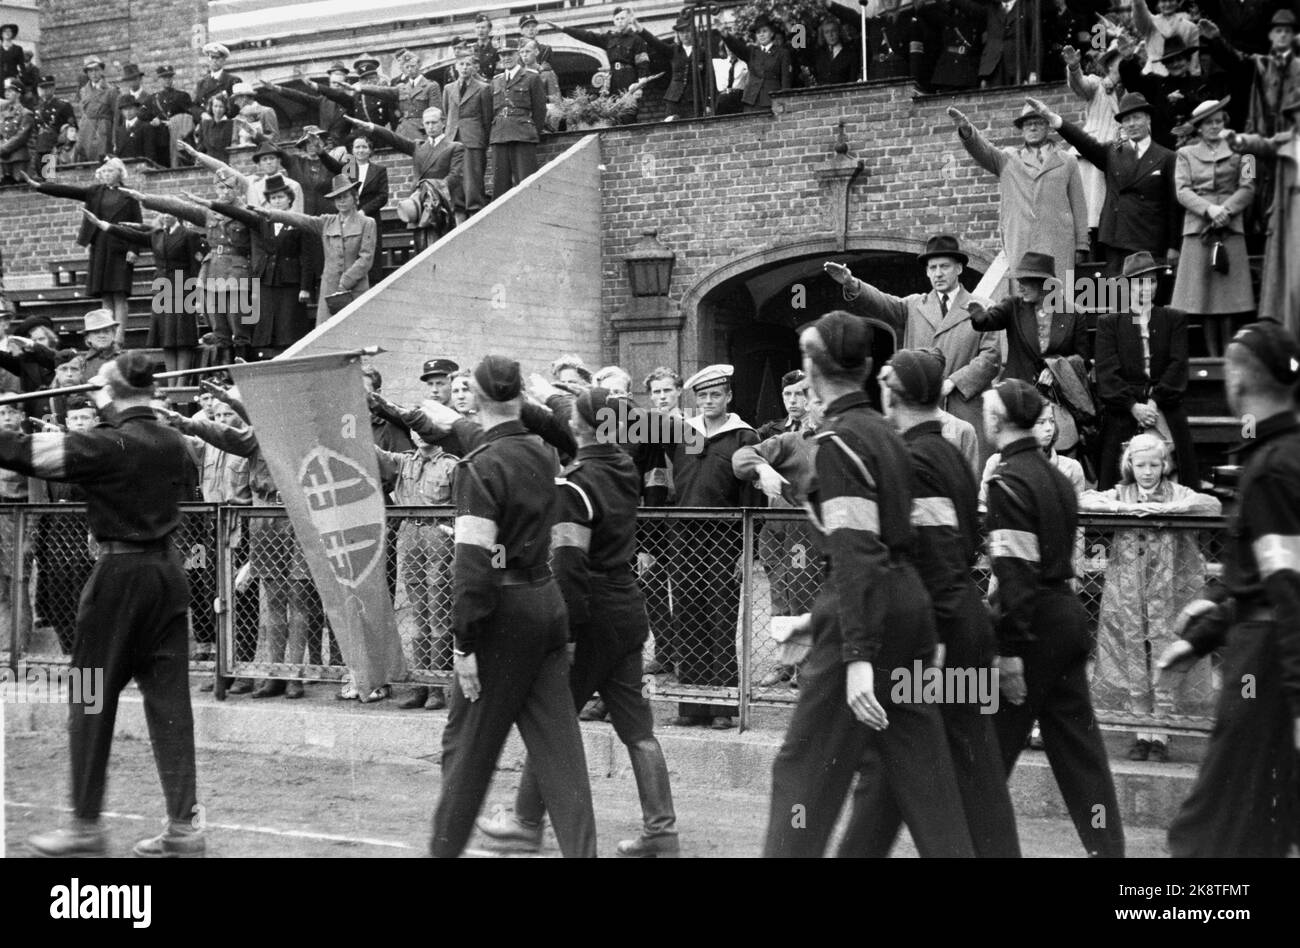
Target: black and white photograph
[(741, 429)]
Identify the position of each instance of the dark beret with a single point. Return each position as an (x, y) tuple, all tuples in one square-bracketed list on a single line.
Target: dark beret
[(136, 368), (847, 338), (499, 378), (1022, 402), (920, 374), (1276, 348)]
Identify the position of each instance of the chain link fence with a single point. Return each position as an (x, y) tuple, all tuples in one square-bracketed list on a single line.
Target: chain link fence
[(713, 580)]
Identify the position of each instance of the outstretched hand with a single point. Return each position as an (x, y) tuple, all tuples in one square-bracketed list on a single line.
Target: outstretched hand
[(838, 272), (958, 117)]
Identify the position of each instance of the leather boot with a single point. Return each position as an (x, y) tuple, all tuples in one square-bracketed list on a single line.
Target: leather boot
[(415, 699), (270, 688), (79, 838), (659, 838), (177, 841)]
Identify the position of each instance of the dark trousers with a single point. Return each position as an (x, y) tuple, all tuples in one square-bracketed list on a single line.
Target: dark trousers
[(475, 175), (132, 624), (1245, 802), (1057, 682), (825, 742), (607, 661), (523, 672), (981, 780), (511, 163)]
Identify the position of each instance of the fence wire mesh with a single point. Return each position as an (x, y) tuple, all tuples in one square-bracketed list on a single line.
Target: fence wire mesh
[(713, 580)]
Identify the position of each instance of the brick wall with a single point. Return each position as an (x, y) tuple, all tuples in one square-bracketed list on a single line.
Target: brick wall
[(145, 32)]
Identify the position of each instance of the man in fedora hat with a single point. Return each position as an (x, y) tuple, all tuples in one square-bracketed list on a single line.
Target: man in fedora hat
[(170, 107), (518, 117), (406, 96), (467, 110), (97, 102), (939, 318), (11, 54), (1141, 210), (1269, 80), (349, 239), (214, 81), (771, 67), (267, 158), (629, 59), (99, 331), (133, 137), (1173, 93), (53, 118), (16, 125), (1043, 205), (433, 158)]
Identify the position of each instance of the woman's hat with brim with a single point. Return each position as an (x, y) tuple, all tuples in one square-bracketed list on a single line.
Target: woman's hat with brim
[(1141, 263), (944, 245), (310, 131), (763, 20), (336, 67), (1206, 109), (9, 26), (276, 184), (1133, 102), (97, 320), (1036, 266), (341, 185), (267, 148), (1176, 48), (1026, 114), (92, 62)]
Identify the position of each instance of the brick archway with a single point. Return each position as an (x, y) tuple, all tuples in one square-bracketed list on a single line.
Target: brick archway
[(746, 312)]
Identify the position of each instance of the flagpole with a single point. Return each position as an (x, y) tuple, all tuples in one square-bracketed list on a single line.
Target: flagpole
[(179, 373)]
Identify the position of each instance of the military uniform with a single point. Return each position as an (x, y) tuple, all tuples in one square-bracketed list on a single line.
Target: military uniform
[(132, 620), (172, 108), (488, 58), (1032, 517), (409, 96), (16, 125), (210, 84), (945, 518), (629, 58), (872, 608), (362, 105), (51, 116), (1244, 802), (593, 543), (509, 613), (518, 117)]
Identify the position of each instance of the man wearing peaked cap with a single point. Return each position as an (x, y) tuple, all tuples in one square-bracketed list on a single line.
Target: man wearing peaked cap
[(408, 95), (1043, 642), (16, 127), (528, 30), (945, 517), (1244, 802), (871, 615), (138, 628), (436, 374), (482, 49), (214, 80), (939, 318), (169, 112), (54, 121), (518, 118), (1141, 211), (510, 628)]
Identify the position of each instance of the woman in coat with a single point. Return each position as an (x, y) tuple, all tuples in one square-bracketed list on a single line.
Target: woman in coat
[(1215, 185), (97, 110), (349, 239), (112, 261), (1142, 375), (1279, 294)]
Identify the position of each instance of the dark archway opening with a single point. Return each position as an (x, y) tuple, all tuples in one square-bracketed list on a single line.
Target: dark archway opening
[(752, 320)]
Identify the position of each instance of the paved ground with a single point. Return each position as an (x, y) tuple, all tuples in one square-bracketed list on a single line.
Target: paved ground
[(282, 805)]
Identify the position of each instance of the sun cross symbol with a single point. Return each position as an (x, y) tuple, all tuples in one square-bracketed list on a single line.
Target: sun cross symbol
[(348, 529)]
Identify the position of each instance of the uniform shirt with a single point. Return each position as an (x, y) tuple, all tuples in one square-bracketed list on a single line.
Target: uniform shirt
[(1032, 516), (790, 454), (595, 523), (416, 479), (703, 477), (132, 470), (865, 528), (945, 515), (505, 497), (1262, 557)]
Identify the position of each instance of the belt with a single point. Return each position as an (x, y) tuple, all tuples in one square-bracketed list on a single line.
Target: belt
[(221, 250), (123, 547), (622, 65), (525, 577)]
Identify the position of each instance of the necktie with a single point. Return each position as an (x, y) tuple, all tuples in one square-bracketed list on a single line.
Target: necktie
[(943, 304), (731, 75)]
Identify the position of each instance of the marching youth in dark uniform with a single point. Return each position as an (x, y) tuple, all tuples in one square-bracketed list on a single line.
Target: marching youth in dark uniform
[(945, 517), (1244, 802), (511, 628), (1042, 628), (593, 543), (132, 621), (871, 616)]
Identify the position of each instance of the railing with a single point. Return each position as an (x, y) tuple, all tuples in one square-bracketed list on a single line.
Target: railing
[(713, 581)]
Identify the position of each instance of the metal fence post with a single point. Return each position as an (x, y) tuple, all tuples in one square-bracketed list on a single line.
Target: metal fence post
[(746, 613), (17, 589), (221, 552)]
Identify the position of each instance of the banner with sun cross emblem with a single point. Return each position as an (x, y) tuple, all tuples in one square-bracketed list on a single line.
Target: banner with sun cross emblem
[(313, 427)]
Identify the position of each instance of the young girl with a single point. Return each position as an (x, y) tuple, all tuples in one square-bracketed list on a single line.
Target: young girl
[(1151, 574)]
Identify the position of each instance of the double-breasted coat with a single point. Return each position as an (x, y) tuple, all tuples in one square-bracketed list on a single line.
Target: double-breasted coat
[(1043, 208)]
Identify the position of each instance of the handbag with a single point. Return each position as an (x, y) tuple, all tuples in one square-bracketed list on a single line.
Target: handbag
[(335, 302)]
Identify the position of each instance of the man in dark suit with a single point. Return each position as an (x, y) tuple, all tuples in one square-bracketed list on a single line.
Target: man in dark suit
[(215, 80), (436, 158), (518, 116), (134, 136), (467, 108), (1005, 61), (770, 66), (1141, 211), (52, 116)]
